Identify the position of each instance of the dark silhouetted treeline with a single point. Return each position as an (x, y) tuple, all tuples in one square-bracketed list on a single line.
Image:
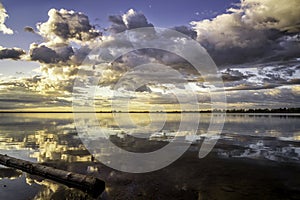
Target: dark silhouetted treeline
[(260, 110)]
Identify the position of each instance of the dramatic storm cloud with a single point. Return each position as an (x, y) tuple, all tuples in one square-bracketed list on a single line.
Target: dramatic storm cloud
[(252, 30), (3, 16)]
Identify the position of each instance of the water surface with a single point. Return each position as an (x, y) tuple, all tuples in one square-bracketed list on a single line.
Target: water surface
[(250, 144)]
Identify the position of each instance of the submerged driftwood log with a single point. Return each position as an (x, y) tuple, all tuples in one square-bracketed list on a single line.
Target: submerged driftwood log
[(89, 184)]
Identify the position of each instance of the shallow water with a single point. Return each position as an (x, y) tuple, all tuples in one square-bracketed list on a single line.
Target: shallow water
[(248, 142)]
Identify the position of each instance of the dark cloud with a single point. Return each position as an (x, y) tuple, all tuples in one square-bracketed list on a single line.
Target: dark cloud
[(143, 88), (249, 87), (231, 75), (11, 53), (289, 46), (187, 31), (29, 29), (118, 24), (45, 54)]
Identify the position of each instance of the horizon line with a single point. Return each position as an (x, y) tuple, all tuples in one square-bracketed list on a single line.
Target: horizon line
[(274, 110)]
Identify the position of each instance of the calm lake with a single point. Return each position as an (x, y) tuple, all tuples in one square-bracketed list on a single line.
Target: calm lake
[(257, 157)]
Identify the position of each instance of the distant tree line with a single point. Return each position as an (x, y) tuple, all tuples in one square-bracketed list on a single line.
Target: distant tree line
[(260, 110), (256, 110)]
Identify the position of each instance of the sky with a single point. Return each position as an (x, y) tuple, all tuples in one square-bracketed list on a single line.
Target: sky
[(254, 44)]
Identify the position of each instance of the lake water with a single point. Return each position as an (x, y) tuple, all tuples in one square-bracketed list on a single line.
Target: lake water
[(262, 149)]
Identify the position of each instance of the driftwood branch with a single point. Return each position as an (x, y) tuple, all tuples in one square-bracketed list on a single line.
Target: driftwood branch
[(89, 184)]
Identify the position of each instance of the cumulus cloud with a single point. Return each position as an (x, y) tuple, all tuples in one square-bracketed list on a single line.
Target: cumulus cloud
[(118, 24), (60, 59), (160, 60), (64, 26), (251, 30), (133, 19), (59, 54), (130, 20), (3, 16), (239, 36), (11, 53), (67, 37)]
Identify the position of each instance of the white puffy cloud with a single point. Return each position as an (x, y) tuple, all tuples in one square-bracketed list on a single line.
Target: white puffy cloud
[(65, 26), (3, 16), (133, 19), (130, 20), (276, 14), (251, 30), (67, 37)]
